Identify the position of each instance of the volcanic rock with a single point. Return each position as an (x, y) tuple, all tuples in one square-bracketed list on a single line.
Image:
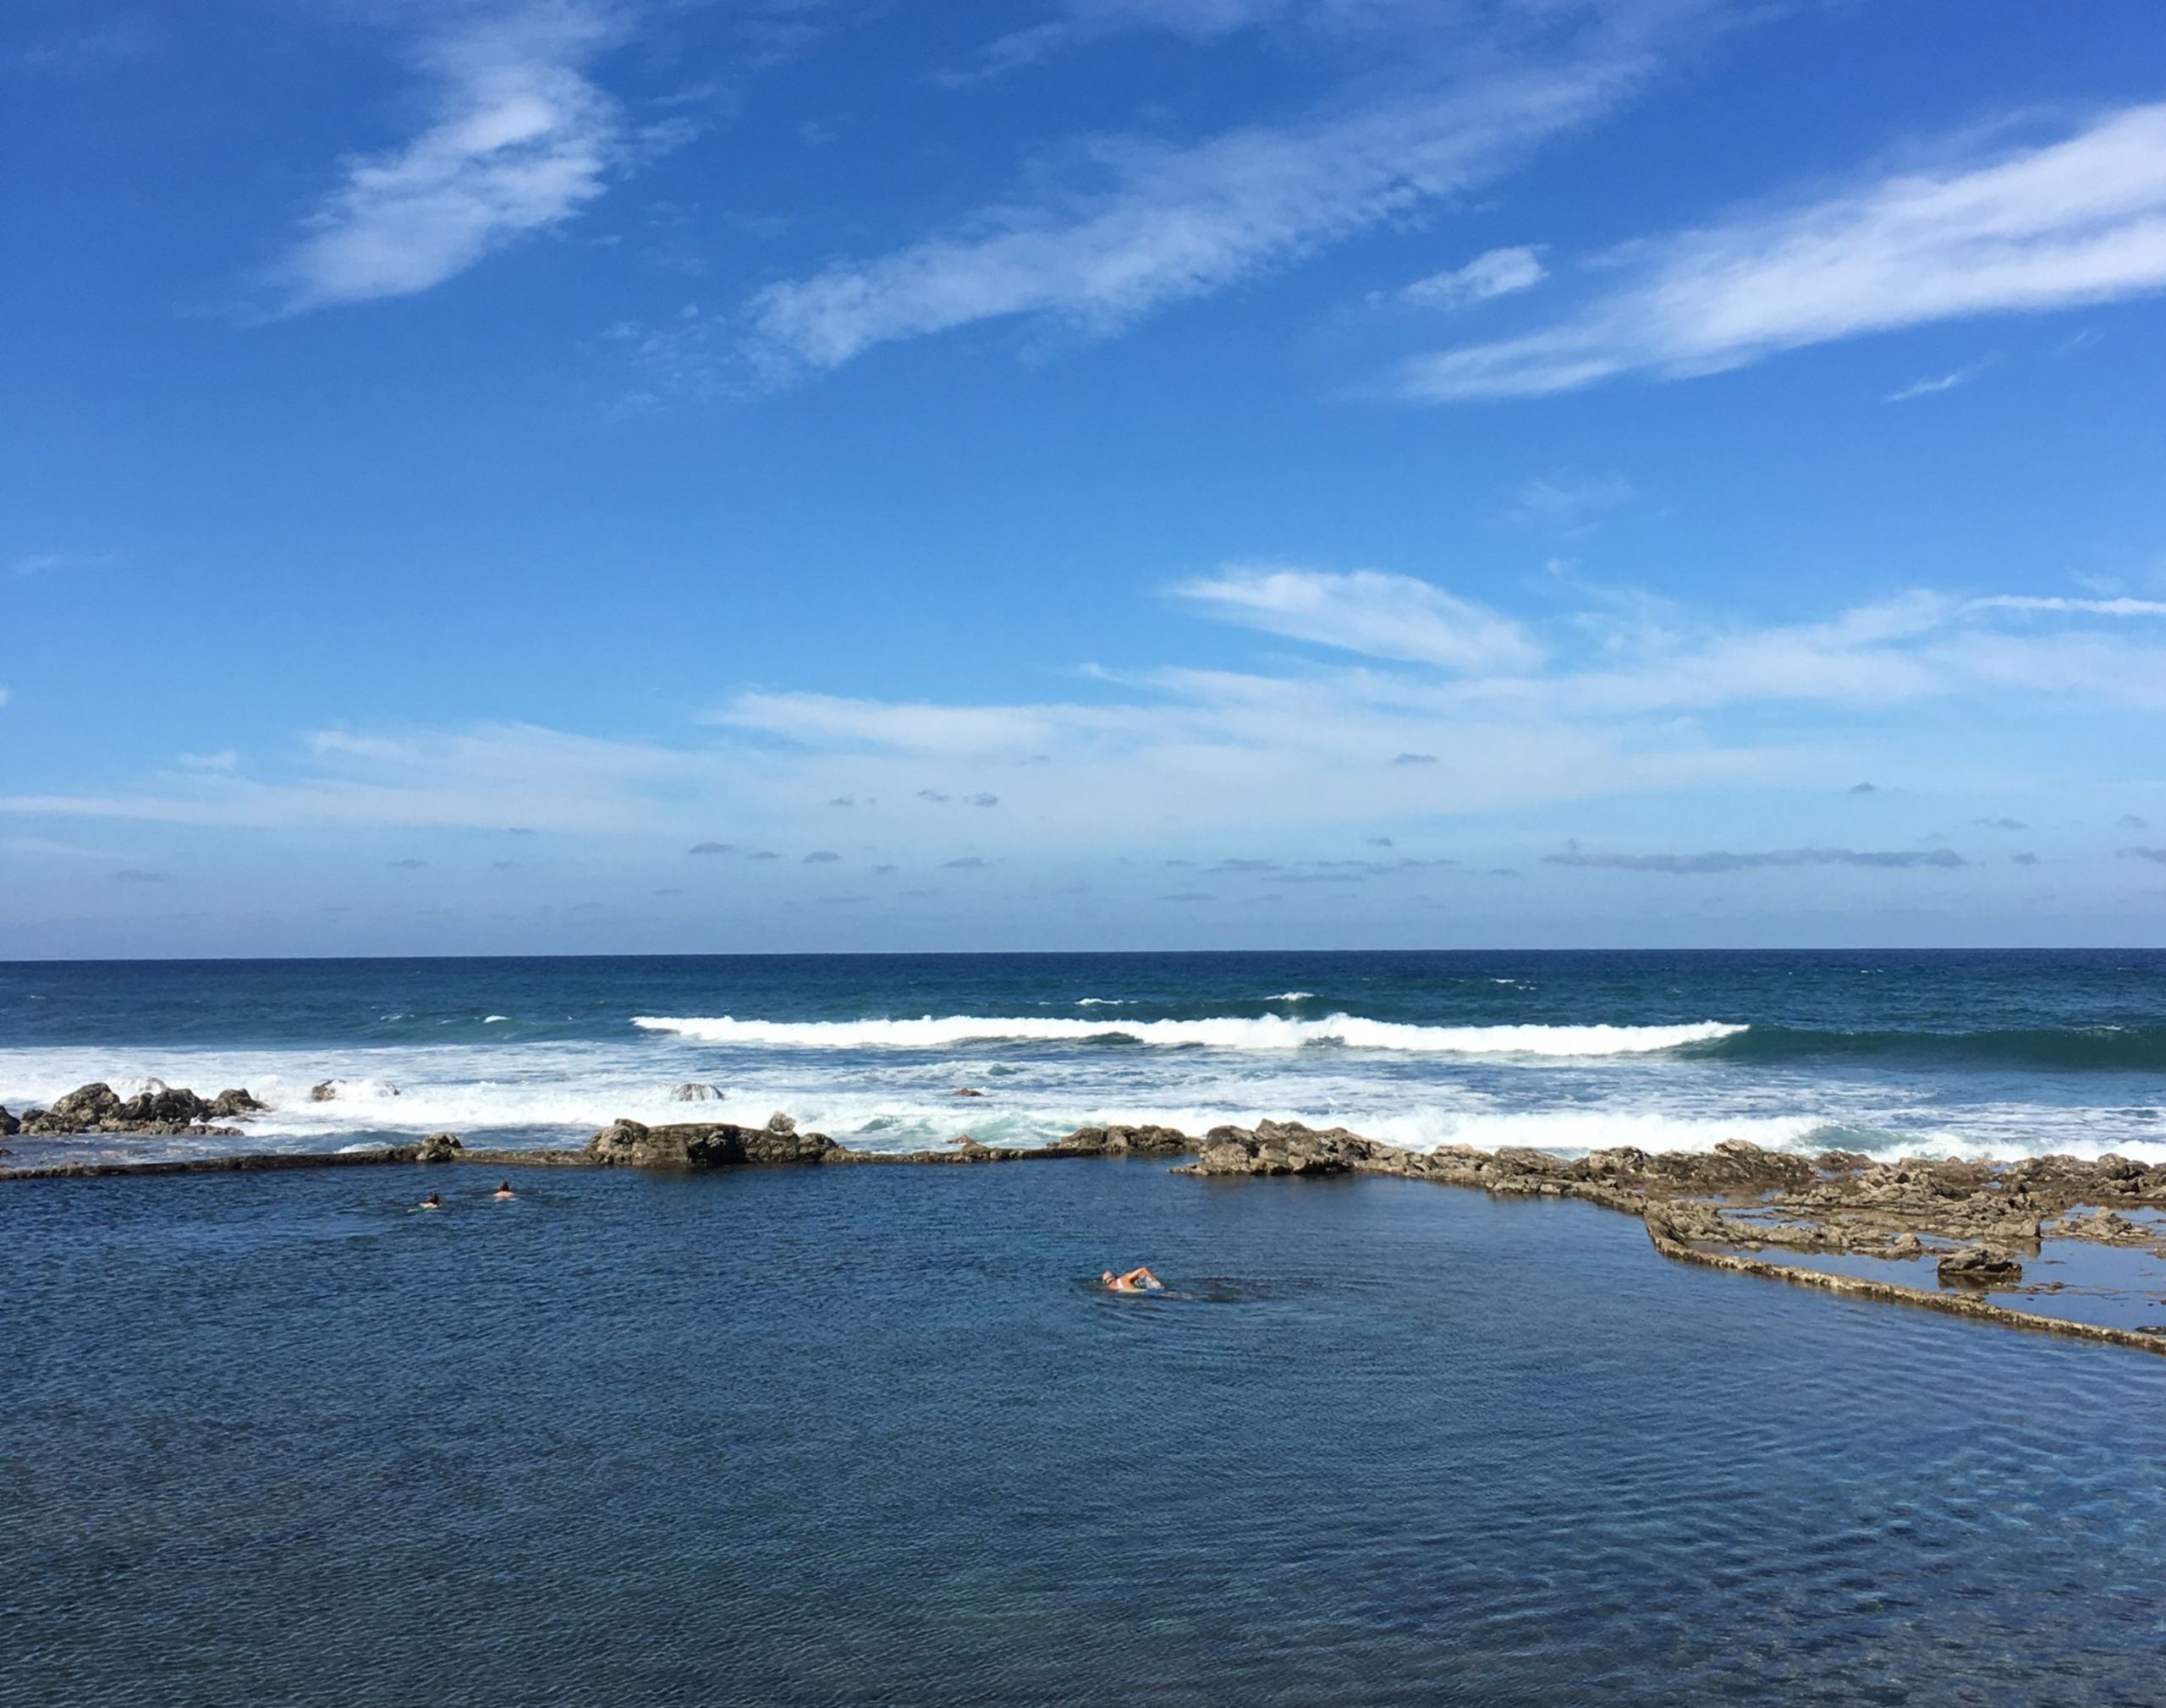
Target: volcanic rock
[(1126, 1141), (438, 1147), (1980, 1266), (719, 1145)]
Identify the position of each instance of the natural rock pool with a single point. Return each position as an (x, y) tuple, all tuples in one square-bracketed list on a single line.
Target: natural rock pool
[(854, 1436)]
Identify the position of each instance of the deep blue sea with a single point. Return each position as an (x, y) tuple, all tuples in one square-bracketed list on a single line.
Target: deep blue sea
[(1987, 1054)]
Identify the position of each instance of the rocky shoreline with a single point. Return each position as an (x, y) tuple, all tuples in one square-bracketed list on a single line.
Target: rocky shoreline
[(1978, 1221)]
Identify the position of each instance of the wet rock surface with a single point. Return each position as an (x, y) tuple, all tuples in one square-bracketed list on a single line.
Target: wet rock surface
[(158, 1110), (1980, 1266), (705, 1145)]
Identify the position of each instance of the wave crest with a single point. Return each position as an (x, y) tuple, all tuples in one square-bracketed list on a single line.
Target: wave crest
[(1268, 1032)]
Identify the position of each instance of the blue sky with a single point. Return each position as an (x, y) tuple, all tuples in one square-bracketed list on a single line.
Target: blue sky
[(712, 475)]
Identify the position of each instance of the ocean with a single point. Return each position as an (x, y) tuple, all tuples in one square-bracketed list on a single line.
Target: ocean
[(824, 1438), (1985, 1054)]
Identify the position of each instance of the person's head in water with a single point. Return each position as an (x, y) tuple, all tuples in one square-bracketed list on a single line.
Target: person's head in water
[(1107, 1279), (432, 1202), (503, 1190)]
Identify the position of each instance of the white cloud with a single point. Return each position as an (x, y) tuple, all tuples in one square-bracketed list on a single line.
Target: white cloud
[(1500, 273), (1451, 708), (2075, 222), (42, 562), (1180, 222), (1378, 615), (1932, 386), (2089, 608), (522, 141), (1081, 21), (1567, 502)]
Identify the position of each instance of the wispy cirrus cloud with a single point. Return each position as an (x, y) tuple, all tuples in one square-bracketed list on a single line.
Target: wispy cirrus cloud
[(1366, 611), (1076, 22), (1160, 221), (1932, 386), (522, 140), (1500, 273), (2078, 220)]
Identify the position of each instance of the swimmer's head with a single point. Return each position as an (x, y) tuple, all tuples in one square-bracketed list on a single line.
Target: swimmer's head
[(1107, 1279), (431, 1200)]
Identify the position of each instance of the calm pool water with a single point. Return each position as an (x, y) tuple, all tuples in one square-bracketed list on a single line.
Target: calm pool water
[(866, 1436)]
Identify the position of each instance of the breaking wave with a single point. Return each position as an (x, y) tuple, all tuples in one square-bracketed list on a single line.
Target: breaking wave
[(1268, 1032)]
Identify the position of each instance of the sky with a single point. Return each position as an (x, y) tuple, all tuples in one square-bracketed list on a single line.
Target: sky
[(507, 476)]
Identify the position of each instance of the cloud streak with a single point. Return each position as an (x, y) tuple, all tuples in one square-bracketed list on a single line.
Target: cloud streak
[(1500, 273), (522, 141), (1170, 222), (2075, 222), (1705, 863), (1366, 611)]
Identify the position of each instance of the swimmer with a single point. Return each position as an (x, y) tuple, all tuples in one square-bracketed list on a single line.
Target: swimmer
[(1137, 1280), (503, 1190), (431, 1202)]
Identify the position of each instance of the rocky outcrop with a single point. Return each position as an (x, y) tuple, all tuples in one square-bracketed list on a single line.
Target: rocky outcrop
[(158, 1109), (9, 1126), (694, 1092), (323, 1092), (438, 1147), (1124, 1141), (717, 1145), (1286, 1147), (1979, 1265)]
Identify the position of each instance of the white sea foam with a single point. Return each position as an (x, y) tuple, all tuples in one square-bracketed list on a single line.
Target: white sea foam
[(494, 1019), (560, 1092), (1291, 996), (1268, 1032), (1101, 1002)]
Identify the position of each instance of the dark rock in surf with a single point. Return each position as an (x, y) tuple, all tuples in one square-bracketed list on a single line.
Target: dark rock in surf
[(228, 1104), (438, 1147), (966, 1091), (158, 1109), (719, 1145), (9, 1126), (693, 1091), (323, 1092), (780, 1122)]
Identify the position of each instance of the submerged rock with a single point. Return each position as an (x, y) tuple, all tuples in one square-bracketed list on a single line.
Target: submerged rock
[(718, 1145), (966, 1091)]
